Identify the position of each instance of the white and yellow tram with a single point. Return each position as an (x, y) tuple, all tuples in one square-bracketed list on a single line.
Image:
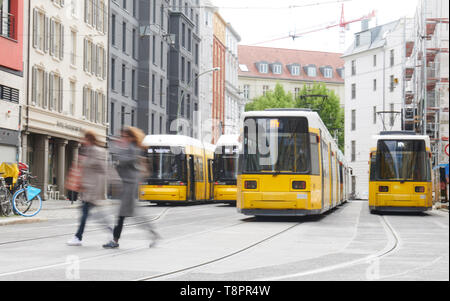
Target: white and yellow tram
[(290, 165)]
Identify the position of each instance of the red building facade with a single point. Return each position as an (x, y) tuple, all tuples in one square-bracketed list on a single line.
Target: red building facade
[(11, 34), (219, 55)]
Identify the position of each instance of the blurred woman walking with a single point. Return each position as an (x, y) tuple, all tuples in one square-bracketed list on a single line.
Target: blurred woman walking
[(92, 164), (128, 155)]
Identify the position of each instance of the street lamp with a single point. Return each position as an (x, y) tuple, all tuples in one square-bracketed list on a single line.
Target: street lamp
[(215, 69)]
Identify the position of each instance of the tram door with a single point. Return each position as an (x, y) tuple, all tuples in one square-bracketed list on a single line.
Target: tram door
[(210, 179), (326, 197), (191, 178)]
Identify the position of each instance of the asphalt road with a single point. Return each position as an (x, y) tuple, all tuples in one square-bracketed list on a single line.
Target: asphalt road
[(214, 243)]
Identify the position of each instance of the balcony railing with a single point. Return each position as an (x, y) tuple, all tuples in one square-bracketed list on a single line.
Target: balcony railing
[(7, 25)]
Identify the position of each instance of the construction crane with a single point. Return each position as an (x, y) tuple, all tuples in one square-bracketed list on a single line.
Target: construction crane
[(342, 24)]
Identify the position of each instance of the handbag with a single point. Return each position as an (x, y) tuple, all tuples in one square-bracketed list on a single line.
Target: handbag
[(73, 180)]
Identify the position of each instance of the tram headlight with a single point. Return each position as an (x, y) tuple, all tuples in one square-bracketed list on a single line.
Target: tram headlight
[(251, 185), (420, 189), (299, 185), (383, 189)]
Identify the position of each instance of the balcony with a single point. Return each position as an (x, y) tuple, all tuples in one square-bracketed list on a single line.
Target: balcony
[(7, 26)]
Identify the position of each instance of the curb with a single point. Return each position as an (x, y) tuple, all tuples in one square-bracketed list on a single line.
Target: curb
[(19, 220)]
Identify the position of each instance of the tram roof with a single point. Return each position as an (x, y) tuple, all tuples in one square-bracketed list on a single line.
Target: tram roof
[(313, 117), (395, 136), (172, 140), (226, 140)]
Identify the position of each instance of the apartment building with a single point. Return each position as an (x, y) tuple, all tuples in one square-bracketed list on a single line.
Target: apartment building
[(12, 80), (67, 85), (234, 105), (261, 68), (183, 66), (204, 113), (123, 64), (374, 90)]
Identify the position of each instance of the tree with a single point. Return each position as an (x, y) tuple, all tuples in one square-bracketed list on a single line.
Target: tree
[(328, 108), (273, 99)]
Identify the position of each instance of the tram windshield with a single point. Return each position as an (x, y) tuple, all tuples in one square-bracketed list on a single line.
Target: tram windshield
[(165, 165), (402, 160), (226, 165), (276, 145)]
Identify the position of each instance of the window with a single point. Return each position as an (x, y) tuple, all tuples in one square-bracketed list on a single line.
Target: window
[(375, 115), (353, 91), (247, 91), (39, 87), (353, 151), (183, 35), (113, 29), (263, 68), (375, 60), (328, 73), (132, 118), (133, 84), (161, 55), (124, 4), (133, 47), (101, 62), (277, 69), (189, 45), (161, 89), (122, 117), (55, 90), (56, 39), (113, 73), (40, 30), (88, 103), (183, 70), (353, 67), (124, 79), (196, 54), (392, 61), (295, 70), (374, 84), (297, 93), (357, 40), (112, 119), (392, 83), (124, 36), (189, 72), (265, 90), (73, 51), (353, 120), (73, 98), (160, 125), (312, 71), (153, 89), (154, 50)]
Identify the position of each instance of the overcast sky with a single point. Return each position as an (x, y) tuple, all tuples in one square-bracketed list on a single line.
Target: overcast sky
[(262, 20)]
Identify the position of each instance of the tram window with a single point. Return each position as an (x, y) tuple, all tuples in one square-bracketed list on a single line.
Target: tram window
[(404, 160), (277, 145), (325, 159), (315, 166)]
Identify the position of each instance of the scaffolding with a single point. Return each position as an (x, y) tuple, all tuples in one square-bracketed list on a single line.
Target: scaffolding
[(426, 76)]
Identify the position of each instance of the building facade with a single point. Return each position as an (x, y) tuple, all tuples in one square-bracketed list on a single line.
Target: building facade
[(204, 114), (234, 105), (12, 80), (426, 74), (261, 68), (67, 85), (374, 90), (183, 67), (123, 64), (219, 61)]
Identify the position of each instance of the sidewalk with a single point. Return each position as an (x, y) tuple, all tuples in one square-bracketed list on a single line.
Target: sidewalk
[(442, 206), (50, 210)]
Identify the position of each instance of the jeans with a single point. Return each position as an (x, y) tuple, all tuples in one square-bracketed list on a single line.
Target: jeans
[(85, 213)]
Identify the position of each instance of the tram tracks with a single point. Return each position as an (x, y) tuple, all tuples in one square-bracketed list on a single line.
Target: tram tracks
[(391, 247), (223, 257)]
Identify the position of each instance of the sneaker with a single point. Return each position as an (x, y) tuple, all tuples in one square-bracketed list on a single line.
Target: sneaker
[(111, 245), (74, 242)]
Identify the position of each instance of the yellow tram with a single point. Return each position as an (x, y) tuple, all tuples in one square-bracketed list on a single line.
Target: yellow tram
[(400, 173), (179, 170), (289, 165), (225, 169)]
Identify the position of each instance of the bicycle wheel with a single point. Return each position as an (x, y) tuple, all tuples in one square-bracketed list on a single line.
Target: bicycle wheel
[(25, 207), (5, 202)]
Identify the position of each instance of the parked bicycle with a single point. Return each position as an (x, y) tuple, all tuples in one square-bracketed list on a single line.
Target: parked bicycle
[(26, 199), (16, 193), (5, 197)]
